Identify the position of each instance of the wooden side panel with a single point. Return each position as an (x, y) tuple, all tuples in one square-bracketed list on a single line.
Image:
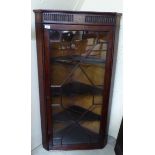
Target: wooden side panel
[(41, 74), (106, 92), (47, 84)]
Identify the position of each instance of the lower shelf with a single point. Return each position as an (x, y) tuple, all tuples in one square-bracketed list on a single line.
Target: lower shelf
[(75, 134), (100, 145), (75, 125)]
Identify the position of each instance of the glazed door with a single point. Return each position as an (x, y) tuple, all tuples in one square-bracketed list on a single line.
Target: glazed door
[(76, 62)]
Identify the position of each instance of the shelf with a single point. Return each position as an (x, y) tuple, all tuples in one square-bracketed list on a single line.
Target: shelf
[(73, 113), (73, 88), (76, 59), (74, 134)]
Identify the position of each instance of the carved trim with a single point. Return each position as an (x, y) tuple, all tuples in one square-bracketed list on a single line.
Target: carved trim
[(67, 18), (57, 17), (100, 19)]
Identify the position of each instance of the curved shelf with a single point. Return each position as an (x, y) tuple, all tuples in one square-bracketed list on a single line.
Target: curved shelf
[(77, 59), (74, 113), (74, 134), (75, 88)]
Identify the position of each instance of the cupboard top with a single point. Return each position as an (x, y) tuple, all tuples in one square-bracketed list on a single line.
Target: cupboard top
[(76, 17)]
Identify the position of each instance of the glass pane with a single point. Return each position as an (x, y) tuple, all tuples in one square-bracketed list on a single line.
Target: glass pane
[(77, 60)]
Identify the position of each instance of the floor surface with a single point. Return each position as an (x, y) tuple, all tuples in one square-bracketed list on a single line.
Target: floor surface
[(108, 150)]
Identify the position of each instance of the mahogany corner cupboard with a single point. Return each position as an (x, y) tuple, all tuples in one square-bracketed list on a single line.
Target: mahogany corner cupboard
[(75, 60)]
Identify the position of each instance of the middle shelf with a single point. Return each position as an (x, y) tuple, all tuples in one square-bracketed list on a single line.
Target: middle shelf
[(77, 59), (75, 87)]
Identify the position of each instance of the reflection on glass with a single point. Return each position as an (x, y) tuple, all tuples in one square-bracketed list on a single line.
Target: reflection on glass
[(77, 84)]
